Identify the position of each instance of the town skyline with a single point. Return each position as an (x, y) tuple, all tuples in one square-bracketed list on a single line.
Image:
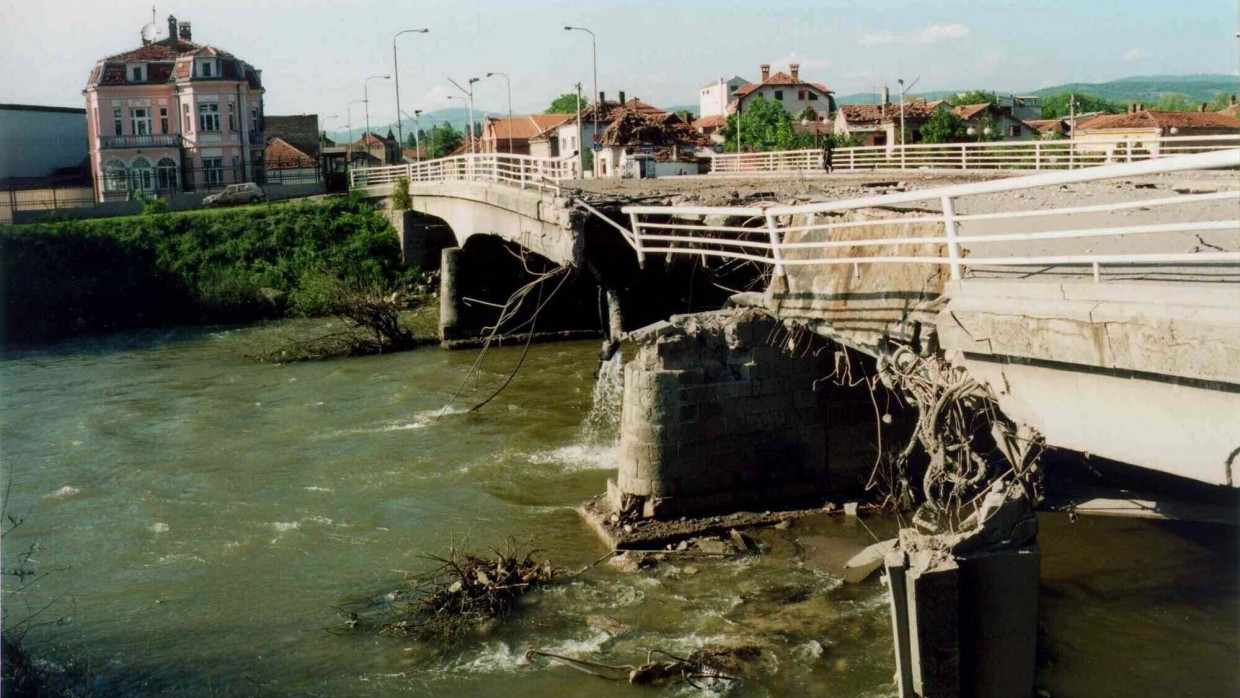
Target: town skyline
[(953, 45)]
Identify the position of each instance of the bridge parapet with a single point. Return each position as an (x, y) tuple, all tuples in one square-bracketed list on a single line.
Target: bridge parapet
[(520, 171)]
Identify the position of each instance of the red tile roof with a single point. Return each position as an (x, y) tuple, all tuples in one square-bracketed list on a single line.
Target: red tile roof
[(714, 121), (857, 114), (1047, 125), (1229, 110), (968, 111), (611, 109), (782, 79), (1148, 118), (526, 127), (281, 155)]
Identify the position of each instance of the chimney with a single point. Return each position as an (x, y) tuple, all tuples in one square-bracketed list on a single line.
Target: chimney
[(621, 97), (186, 32), (172, 33), (766, 72), (795, 68), (1203, 107), (886, 95), (601, 97), (1231, 102)]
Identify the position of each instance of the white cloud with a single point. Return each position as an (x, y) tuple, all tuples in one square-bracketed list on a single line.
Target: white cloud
[(783, 62), (931, 34), (1134, 55)]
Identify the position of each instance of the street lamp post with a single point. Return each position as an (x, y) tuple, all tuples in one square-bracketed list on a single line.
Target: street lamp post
[(366, 95), (323, 131), (417, 138), (400, 134), (349, 147), (470, 94), (509, 126), (597, 105)]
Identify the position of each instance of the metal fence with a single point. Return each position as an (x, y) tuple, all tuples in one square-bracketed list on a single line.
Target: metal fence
[(43, 199), (816, 234), (523, 171), (1084, 151)]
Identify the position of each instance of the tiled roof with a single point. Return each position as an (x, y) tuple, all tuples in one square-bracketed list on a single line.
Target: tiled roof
[(369, 140), (1160, 119), (968, 111), (610, 110), (783, 80), (163, 61), (714, 121), (858, 114), (157, 51), (633, 128), (281, 155), (526, 127), (1046, 125), (300, 131), (1228, 111)]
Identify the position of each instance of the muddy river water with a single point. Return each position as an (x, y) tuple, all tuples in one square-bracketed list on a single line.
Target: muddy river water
[(198, 520)]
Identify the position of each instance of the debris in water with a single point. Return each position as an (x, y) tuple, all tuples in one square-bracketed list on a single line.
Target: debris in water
[(465, 592)]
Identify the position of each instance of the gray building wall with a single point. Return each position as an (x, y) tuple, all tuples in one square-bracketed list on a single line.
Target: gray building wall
[(35, 140)]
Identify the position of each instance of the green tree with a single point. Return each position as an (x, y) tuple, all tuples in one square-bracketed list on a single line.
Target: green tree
[(763, 126), (1175, 102), (565, 104), (973, 97), (944, 127), (1056, 106), (441, 140)]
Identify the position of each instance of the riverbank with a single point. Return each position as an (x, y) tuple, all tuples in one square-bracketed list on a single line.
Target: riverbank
[(71, 278)]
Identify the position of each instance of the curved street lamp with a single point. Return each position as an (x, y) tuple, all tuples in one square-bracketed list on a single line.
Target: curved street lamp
[(366, 94), (509, 125), (400, 134), (597, 105)]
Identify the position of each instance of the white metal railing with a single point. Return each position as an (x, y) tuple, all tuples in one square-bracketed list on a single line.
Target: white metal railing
[(522, 171), (1084, 151), (816, 234)]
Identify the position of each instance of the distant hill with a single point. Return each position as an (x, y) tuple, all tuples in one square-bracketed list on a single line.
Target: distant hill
[(457, 116), (1139, 88), (876, 97), (1151, 88)]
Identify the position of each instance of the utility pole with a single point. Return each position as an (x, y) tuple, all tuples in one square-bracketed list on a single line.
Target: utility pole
[(581, 160), (400, 135), (470, 95)]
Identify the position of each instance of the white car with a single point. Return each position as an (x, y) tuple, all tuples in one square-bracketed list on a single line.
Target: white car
[(245, 193)]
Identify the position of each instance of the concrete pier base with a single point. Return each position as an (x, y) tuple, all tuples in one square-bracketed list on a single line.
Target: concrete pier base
[(452, 311), (721, 414), (965, 625)]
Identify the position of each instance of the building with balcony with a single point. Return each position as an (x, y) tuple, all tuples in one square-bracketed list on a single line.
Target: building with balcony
[(173, 116)]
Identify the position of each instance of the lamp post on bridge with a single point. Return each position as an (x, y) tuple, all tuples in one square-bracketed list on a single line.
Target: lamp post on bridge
[(349, 148), (366, 94), (470, 95), (597, 105), (400, 134), (509, 124)]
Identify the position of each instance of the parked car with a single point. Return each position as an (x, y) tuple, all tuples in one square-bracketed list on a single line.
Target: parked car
[(245, 193)]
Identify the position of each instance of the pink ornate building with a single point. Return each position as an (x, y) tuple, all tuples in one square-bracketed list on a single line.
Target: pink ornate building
[(173, 116)]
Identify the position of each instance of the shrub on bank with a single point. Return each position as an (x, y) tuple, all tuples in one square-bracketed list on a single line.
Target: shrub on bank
[(73, 277)]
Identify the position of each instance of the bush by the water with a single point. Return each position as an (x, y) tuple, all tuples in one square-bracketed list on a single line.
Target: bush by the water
[(73, 277)]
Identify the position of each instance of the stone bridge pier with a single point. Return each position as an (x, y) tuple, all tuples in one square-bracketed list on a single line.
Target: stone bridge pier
[(722, 412)]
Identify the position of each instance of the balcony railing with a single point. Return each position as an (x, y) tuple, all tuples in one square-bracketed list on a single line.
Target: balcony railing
[(150, 140)]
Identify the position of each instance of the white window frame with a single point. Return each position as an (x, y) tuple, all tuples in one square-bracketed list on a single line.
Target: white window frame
[(140, 121), (209, 117), (135, 73), (115, 177), (167, 175), (213, 171), (118, 121), (141, 175)]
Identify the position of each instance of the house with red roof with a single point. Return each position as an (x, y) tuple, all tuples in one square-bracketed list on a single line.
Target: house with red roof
[(573, 136), (172, 116), (994, 122), (1142, 129), (513, 135), (878, 124), (789, 90)]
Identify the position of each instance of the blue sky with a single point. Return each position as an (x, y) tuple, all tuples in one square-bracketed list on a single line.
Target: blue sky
[(315, 54)]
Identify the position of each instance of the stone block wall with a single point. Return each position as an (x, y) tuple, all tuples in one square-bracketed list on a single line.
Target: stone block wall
[(721, 413)]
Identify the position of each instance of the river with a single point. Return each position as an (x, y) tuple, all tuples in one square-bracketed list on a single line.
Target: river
[(200, 519)]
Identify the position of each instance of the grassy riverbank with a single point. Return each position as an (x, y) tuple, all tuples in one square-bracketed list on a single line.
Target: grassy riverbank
[(77, 277)]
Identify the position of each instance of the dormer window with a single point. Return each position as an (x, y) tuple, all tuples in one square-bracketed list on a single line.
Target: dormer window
[(135, 73), (206, 69)]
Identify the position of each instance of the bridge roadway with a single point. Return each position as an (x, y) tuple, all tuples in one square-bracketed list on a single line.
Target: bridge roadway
[(1133, 358)]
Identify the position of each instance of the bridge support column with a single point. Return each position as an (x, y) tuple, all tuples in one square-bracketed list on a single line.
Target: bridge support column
[(452, 309), (720, 413)]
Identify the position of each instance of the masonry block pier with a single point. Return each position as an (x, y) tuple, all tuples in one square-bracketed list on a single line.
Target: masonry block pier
[(721, 413)]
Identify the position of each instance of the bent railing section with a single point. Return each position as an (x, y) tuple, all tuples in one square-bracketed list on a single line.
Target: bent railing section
[(1036, 155), (523, 171), (816, 234)]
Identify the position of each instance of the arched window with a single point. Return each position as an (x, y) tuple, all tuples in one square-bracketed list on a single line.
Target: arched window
[(114, 176), (141, 176), (166, 175)]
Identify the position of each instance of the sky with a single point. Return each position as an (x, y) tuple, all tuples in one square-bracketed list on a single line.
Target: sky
[(316, 55)]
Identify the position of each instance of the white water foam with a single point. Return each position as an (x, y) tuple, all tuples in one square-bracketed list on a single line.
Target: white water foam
[(602, 422), (64, 492), (581, 457), (420, 420)]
